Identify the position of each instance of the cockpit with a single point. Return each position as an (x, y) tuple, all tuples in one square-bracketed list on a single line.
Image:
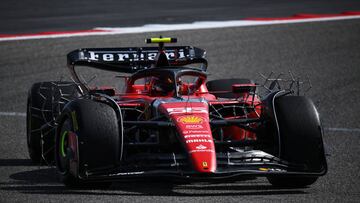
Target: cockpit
[(167, 82)]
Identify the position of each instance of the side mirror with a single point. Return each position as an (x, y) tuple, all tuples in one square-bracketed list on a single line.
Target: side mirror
[(243, 88), (103, 90)]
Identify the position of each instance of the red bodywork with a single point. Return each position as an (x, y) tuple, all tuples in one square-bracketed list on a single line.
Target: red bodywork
[(192, 118), (170, 121)]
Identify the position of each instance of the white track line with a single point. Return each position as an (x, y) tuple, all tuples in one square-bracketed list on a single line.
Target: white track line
[(215, 24), (356, 130), (19, 114), (352, 130), (174, 27)]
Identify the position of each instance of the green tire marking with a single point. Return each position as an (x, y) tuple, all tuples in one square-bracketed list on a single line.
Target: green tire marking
[(62, 144), (75, 123)]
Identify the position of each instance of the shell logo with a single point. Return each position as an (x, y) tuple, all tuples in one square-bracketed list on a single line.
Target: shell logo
[(191, 119)]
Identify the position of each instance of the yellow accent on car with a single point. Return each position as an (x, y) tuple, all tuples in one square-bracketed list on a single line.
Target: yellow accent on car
[(191, 119), (161, 40), (75, 123)]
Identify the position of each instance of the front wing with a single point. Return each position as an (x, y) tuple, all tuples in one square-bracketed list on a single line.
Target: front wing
[(233, 166)]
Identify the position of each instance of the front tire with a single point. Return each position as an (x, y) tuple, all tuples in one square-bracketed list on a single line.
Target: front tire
[(300, 139), (95, 125)]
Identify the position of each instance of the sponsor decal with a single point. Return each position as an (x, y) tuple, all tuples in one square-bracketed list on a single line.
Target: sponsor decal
[(271, 169), (200, 150), (194, 127), (196, 131), (198, 140), (196, 136), (201, 147), (128, 173), (191, 119), (130, 55), (187, 109)]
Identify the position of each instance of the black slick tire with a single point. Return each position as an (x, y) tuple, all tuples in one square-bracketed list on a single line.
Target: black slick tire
[(300, 139), (96, 127)]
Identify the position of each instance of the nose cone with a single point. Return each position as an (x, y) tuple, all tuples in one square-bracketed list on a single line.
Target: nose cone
[(203, 162), (195, 132), (194, 129)]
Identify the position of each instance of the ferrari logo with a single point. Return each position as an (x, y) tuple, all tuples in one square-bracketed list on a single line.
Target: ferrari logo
[(205, 164), (191, 119)]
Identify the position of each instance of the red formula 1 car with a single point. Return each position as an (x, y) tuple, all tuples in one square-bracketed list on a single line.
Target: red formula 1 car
[(170, 121)]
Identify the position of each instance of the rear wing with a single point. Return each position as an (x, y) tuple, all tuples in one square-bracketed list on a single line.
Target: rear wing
[(133, 59)]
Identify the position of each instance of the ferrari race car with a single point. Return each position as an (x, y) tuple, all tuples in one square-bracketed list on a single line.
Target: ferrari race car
[(169, 121)]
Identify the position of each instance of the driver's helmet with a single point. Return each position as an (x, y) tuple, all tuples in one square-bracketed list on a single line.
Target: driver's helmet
[(162, 86)]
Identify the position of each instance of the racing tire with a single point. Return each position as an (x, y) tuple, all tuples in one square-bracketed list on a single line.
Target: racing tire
[(98, 142), (226, 85), (300, 139), (44, 103)]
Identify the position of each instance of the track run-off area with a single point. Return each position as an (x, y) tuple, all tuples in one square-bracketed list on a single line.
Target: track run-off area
[(328, 52)]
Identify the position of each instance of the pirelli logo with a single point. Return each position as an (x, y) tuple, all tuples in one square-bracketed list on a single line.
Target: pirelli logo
[(199, 140)]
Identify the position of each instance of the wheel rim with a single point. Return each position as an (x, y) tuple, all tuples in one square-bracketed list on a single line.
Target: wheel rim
[(62, 145)]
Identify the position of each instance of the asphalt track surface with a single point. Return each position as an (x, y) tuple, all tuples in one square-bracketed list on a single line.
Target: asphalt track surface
[(329, 52), (29, 16)]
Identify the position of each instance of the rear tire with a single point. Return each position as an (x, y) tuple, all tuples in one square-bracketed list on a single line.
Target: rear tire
[(226, 85), (300, 139), (96, 127), (45, 101)]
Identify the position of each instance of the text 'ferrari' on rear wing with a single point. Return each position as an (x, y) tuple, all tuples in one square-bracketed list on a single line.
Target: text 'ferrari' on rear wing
[(132, 59)]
